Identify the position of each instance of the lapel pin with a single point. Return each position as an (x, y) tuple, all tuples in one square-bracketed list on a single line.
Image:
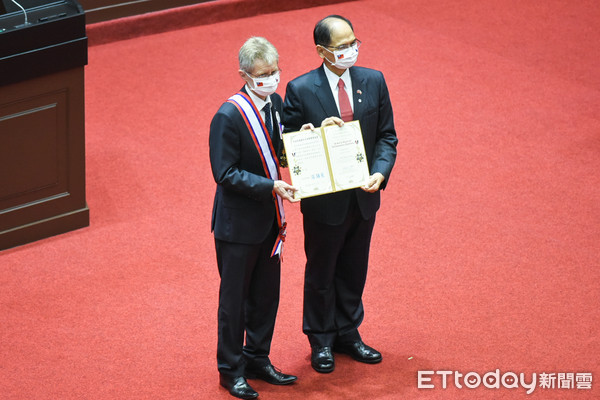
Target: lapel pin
[(359, 91)]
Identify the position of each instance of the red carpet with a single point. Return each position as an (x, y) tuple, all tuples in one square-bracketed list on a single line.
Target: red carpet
[(486, 252), (208, 12)]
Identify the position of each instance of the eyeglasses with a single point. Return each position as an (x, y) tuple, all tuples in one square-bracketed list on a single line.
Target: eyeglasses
[(278, 71), (341, 47)]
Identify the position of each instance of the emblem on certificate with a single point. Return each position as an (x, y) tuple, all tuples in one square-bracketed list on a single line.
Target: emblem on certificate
[(327, 159)]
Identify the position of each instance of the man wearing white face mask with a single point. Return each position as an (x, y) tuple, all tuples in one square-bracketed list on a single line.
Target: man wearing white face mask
[(338, 226), (248, 220)]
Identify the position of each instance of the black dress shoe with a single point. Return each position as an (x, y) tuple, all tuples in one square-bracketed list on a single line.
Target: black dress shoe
[(270, 374), (321, 359), (359, 351), (238, 387)]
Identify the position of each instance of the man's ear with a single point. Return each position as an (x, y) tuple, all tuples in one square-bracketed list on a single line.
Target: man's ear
[(321, 51), (244, 76)]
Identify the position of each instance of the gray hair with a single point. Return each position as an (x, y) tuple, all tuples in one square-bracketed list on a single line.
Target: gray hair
[(257, 48)]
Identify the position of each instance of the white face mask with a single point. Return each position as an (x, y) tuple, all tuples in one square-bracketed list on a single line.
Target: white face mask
[(265, 86), (346, 58)]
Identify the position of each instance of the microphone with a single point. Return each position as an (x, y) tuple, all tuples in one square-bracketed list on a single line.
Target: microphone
[(24, 12)]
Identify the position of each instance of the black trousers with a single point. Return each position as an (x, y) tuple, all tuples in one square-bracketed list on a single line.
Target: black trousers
[(248, 302), (337, 259)]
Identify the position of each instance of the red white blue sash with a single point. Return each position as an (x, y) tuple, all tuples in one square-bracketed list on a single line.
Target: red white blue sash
[(265, 148)]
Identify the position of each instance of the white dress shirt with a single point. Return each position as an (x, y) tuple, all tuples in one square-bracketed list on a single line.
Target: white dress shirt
[(259, 103), (333, 80)]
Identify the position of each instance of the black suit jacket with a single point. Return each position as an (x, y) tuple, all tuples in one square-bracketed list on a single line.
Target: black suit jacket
[(309, 98), (243, 209)]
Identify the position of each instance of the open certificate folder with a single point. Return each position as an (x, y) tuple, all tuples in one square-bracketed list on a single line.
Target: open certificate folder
[(327, 159)]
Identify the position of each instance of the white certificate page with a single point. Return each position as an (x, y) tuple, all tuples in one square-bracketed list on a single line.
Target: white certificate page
[(326, 160), (347, 155), (307, 162)]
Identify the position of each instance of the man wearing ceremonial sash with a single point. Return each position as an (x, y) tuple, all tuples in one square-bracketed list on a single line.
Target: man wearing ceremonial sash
[(248, 220)]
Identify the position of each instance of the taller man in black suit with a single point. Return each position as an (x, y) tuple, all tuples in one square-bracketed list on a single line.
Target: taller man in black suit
[(338, 226), (248, 220)]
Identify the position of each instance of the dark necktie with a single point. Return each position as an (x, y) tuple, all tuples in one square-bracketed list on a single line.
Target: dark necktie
[(345, 109), (268, 119)]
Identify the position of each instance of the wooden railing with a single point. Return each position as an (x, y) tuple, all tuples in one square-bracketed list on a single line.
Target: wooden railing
[(104, 10)]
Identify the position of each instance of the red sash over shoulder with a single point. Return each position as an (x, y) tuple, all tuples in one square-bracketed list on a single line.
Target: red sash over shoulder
[(265, 148)]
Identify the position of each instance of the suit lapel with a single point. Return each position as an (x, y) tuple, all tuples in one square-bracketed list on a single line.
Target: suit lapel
[(276, 115), (323, 93), (358, 96), (275, 110), (275, 120)]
